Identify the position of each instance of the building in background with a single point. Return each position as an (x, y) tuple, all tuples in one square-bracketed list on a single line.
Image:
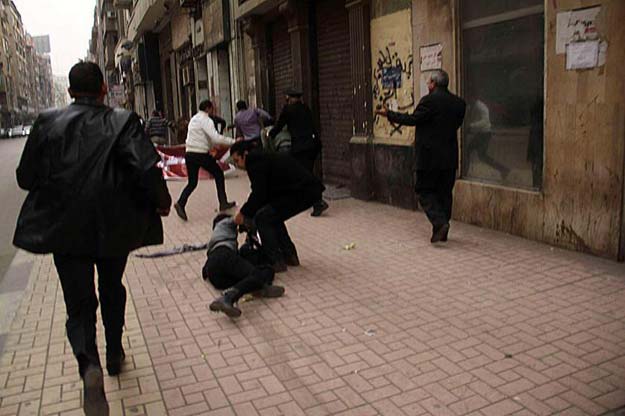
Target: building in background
[(542, 148), (26, 84)]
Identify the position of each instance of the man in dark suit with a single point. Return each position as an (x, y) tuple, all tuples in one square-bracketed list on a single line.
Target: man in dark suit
[(305, 143), (95, 194), (437, 118), (281, 189)]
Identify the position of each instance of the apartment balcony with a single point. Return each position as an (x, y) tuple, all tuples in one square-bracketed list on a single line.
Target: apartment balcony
[(110, 22), (146, 16)]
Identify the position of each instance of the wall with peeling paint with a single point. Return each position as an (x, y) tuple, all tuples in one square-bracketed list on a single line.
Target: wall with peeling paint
[(391, 53), (580, 206)]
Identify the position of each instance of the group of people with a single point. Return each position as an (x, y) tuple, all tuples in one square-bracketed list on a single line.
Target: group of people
[(96, 193)]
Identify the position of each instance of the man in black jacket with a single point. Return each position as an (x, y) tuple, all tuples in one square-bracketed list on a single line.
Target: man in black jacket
[(281, 189), (95, 194), (305, 143), (437, 118)]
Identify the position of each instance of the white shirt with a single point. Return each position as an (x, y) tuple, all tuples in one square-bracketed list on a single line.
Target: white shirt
[(202, 135), (480, 118)]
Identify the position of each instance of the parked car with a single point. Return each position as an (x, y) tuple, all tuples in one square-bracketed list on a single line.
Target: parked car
[(16, 131), (27, 130)]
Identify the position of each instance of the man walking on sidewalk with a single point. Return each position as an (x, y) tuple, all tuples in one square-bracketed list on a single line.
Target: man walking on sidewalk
[(95, 194), (305, 143), (437, 118), (281, 189), (202, 137)]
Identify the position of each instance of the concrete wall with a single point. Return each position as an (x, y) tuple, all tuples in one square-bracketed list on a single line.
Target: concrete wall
[(581, 204)]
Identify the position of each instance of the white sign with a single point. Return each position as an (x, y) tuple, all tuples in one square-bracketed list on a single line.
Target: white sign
[(423, 84), (431, 57), (582, 55), (576, 26)]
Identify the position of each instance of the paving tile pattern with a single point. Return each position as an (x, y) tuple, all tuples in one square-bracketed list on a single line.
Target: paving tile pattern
[(488, 325)]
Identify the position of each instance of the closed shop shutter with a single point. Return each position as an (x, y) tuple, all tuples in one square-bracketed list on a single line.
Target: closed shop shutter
[(335, 90), (281, 70)]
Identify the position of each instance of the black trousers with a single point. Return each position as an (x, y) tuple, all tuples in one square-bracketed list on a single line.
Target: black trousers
[(225, 268), (194, 162), (269, 220), (435, 191), (77, 280), (307, 159)]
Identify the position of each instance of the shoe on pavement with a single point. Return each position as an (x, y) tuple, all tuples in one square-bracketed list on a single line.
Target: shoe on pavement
[(114, 362), (180, 211), (94, 399), (269, 291), (319, 207), (226, 303), (440, 233), (227, 206)]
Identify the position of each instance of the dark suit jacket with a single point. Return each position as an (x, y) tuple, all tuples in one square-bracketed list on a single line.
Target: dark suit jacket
[(277, 177), (299, 120), (437, 118), (93, 184)]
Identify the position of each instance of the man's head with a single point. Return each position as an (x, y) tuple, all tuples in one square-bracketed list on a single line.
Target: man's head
[(293, 96), (241, 105), (86, 80), (438, 79), (207, 107), (156, 113), (239, 152), (219, 218)]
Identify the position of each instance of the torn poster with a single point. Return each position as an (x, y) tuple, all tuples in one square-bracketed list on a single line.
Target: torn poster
[(575, 26), (582, 55)]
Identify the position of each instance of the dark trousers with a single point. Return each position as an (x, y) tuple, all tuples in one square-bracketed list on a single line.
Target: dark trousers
[(269, 220), (194, 162), (77, 280), (434, 188), (307, 159), (225, 268)]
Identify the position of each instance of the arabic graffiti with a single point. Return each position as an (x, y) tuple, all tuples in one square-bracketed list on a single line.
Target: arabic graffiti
[(389, 75)]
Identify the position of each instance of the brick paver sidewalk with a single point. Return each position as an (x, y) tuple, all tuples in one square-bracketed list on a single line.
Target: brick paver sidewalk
[(488, 325)]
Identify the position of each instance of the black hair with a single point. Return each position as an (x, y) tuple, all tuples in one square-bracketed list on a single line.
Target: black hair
[(241, 105), (86, 78), (219, 218), (206, 105), (156, 113), (241, 147)]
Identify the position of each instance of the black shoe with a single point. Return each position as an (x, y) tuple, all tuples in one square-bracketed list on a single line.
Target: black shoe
[(180, 211), (446, 236), (319, 207), (226, 303), (279, 267), (292, 260), (227, 206), (114, 362), (269, 291), (439, 233), (94, 399)]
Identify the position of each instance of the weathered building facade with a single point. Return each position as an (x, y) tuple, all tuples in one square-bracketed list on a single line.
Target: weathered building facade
[(543, 144)]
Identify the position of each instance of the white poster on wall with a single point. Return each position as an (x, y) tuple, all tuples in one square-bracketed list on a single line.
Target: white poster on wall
[(582, 55), (576, 26), (431, 57)]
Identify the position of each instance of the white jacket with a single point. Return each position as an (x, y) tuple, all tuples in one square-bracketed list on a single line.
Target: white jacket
[(202, 135)]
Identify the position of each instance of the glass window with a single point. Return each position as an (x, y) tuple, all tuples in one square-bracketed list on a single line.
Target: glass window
[(502, 80)]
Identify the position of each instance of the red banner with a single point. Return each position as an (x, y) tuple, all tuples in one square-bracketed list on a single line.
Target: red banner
[(174, 167)]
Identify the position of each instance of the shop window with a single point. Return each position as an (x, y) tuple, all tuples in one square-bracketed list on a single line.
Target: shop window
[(502, 82)]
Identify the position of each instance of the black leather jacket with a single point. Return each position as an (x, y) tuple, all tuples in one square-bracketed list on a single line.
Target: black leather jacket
[(93, 184)]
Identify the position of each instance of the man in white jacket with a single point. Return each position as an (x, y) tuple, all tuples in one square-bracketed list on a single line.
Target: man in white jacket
[(202, 136)]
